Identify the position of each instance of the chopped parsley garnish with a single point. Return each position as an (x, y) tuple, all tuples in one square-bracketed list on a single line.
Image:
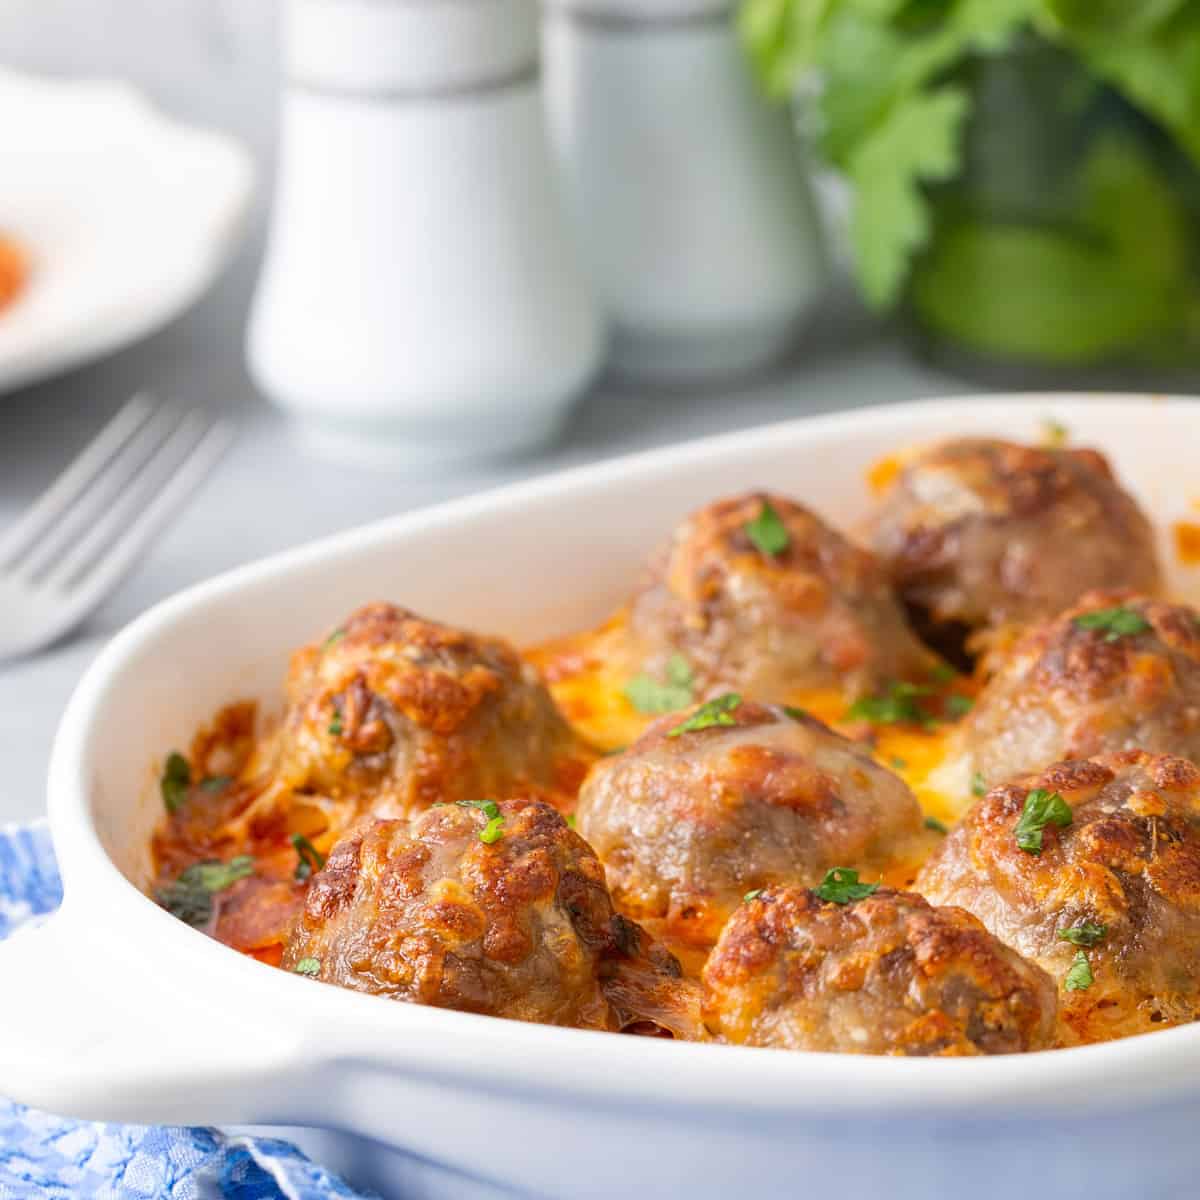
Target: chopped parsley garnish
[(308, 966), (978, 784), (311, 859), (1079, 978), (1054, 433), (713, 712), (959, 706), (943, 673), (493, 831), (936, 825), (335, 636), (216, 783), (797, 714), (1042, 808), (898, 763), (649, 695), (767, 531), (571, 821), (176, 779), (1116, 622), (335, 722), (190, 897), (841, 885), (1086, 933), (897, 706), (754, 895)]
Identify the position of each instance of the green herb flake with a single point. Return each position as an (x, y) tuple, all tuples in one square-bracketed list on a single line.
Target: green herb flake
[(979, 785), (713, 712), (1079, 978), (335, 722), (190, 897), (176, 779), (943, 673), (571, 821), (650, 695), (767, 531), (311, 859), (493, 831), (798, 714), (335, 637), (959, 706), (754, 895), (1116, 623), (1054, 433), (936, 825), (841, 886), (1086, 933), (897, 706), (1042, 808), (216, 783), (308, 966), (899, 763)]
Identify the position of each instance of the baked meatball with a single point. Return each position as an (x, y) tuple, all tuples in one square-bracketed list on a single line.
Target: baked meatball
[(979, 533), (1108, 904), (759, 594), (1115, 672), (888, 974), (505, 914), (687, 822), (406, 712)]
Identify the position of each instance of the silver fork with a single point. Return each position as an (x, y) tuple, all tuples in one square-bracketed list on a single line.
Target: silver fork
[(81, 538)]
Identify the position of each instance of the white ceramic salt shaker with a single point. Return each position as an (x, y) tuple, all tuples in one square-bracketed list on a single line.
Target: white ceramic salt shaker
[(688, 190), (421, 292)]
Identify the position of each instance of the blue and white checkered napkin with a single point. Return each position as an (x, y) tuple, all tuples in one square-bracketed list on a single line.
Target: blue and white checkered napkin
[(50, 1157)]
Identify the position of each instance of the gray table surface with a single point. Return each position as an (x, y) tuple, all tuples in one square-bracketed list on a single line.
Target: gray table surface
[(212, 61)]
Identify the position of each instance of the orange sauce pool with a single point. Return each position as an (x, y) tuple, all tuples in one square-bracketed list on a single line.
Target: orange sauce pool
[(14, 270), (1187, 542)]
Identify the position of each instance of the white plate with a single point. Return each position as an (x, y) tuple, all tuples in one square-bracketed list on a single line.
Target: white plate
[(125, 214), (115, 1010)]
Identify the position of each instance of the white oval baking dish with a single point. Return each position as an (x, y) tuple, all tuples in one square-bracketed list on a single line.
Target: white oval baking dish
[(112, 1009)]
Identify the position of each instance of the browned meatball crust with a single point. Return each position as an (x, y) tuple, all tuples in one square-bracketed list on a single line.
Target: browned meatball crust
[(407, 712), (429, 912), (1067, 690), (686, 824), (1123, 878), (981, 532), (888, 974), (819, 612)]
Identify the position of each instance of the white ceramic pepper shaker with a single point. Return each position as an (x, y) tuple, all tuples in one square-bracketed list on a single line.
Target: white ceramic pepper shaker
[(689, 193), (421, 291)]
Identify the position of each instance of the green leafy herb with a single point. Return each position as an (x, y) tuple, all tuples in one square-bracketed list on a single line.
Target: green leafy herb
[(493, 831), (1054, 433), (797, 714), (978, 784), (1086, 933), (216, 783), (936, 825), (308, 966), (176, 779), (649, 695), (571, 821), (959, 706), (713, 712), (897, 706), (1042, 808), (767, 531), (943, 673), (898, 763), (334, 637), (190, 897), (754, 895), (311, 859), (841, 886), (1116, 622), (335, 722), (1079, 978)]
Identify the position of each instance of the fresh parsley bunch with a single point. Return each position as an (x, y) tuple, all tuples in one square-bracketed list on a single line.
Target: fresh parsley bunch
[(1071, 240)]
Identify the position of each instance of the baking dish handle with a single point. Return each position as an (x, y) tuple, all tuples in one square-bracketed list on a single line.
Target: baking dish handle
[(86, 1035)]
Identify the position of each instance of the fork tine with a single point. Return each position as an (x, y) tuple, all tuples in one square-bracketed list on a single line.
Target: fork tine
[(101, 574), (63, 492), (97, 498)]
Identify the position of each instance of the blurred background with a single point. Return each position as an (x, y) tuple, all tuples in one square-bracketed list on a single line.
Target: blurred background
[(409, 264)]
